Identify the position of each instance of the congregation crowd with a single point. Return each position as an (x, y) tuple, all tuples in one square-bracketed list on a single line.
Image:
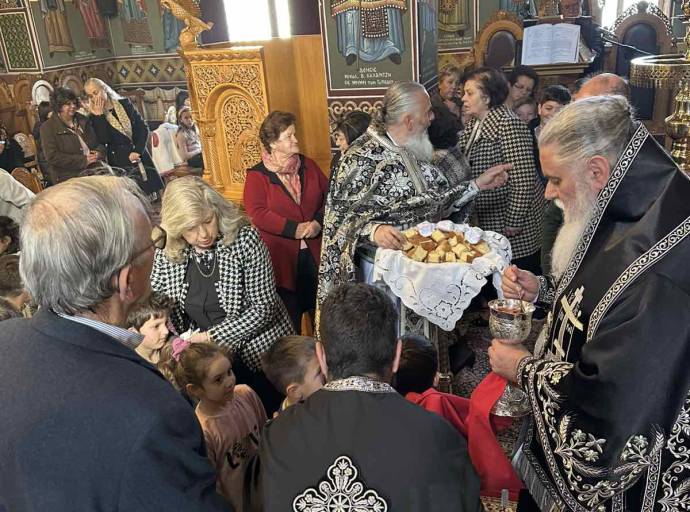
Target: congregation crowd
[(152, 347)]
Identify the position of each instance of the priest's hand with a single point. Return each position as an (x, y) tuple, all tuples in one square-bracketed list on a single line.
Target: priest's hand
[(519, 284), (504, 359), (494, 177), (388, 237)]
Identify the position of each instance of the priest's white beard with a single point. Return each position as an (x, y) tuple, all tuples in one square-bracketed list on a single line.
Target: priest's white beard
[(420, 146), (575, 220)]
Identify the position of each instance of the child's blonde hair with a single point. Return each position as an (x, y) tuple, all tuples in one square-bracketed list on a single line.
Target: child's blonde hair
[(191, 364)]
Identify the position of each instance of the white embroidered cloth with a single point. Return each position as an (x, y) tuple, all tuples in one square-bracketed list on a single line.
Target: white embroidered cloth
[(440, 292)]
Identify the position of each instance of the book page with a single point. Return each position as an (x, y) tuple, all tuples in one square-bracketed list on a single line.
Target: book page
[(566, 39), (536, 44)]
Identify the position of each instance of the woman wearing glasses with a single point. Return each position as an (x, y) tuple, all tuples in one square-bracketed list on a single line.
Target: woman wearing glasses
[(284, 195), (218, 272)]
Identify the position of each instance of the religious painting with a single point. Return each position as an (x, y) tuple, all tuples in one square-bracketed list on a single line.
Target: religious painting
[(427, 29), (11, 4), (57, 29), (135, 22), (94, 24), (456, 24), (171, 30), (368, 42)]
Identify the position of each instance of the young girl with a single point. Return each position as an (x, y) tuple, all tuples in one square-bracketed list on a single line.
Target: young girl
[(187, 138), (231, 416)]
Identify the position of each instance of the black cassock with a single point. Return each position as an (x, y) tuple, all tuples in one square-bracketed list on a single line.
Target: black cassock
[(609, 388), (357, 445)]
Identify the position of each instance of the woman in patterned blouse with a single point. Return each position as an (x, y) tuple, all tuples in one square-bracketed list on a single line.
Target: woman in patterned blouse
[(495, 136), (218, 272)]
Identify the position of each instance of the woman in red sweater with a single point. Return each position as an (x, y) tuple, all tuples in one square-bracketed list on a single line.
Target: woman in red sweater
[(284, 196)]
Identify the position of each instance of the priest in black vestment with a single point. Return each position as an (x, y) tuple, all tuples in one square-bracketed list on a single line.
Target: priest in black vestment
[(608, 383), (357, 445)]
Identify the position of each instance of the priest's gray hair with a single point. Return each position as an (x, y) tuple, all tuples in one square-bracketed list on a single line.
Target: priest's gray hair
[(400, 99), (600, 125), (76, 236)]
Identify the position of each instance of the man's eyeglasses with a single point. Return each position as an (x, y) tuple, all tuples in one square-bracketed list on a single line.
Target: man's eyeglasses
[(158, 240)]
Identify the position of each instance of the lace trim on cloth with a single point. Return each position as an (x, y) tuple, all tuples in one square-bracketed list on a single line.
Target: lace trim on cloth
[(357, 383), (340, 490), (581, 483)]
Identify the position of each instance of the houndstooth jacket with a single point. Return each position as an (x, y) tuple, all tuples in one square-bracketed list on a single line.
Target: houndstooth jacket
[(506, 139), (256, 317)]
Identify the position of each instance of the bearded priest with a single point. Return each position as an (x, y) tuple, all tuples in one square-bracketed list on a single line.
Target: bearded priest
[(608, 383), (389, 180)]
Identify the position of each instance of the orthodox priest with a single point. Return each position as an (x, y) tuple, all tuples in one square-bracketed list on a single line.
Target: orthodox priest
[(386, 181), (608, 384)]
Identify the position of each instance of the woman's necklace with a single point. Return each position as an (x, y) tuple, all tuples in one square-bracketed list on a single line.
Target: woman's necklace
[(213, 268)]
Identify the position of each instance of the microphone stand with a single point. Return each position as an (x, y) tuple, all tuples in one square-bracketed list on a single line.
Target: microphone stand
[(623, 45)]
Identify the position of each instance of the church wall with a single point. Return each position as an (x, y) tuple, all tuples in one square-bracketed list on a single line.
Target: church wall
[(133, 53)]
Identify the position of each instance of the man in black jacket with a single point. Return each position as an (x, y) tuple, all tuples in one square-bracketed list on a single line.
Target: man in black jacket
[(86, 423), (356, 444)]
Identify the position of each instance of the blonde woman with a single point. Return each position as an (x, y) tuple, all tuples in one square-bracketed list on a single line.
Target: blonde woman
[(218, 272), (122, 130)]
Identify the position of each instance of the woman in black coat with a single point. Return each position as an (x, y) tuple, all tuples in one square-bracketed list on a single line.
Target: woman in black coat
[(122, 130)]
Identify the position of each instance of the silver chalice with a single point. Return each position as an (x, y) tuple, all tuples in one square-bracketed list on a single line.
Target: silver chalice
[(511, 321)]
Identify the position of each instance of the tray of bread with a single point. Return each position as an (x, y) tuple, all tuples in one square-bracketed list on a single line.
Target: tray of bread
[(442, 247)]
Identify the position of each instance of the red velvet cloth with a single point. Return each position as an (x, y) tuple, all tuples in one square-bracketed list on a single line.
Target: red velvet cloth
[(472, 419), (276, 215)]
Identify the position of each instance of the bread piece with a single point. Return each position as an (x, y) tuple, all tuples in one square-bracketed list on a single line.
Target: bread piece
[(482, 247), (434, 257), (438, 235), (410, 233), (418, 254), (467, 257), (445, 246), (450, 257), (417, 239), (407, 246), (453, 240), (460, 249), (428, 245), (460, 237)]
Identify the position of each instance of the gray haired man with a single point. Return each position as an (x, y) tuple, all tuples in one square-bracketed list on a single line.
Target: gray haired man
[(86, 423)]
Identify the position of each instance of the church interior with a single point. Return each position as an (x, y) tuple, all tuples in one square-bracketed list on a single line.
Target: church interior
[(201, 79)]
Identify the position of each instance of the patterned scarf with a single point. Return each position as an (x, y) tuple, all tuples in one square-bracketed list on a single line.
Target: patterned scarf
[(121, 123), (287, 173)]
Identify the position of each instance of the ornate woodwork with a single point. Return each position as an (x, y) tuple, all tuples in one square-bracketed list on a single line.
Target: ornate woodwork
[(227, 88)]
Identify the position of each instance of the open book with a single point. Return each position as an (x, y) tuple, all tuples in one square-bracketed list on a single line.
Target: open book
[(550, 44)]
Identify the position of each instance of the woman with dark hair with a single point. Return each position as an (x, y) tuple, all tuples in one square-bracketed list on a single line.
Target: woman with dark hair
[(122, 130), (495, 136), (447, 106), (284, 195), (9, 236), (523, 83), (68, 140), (346, 130)]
